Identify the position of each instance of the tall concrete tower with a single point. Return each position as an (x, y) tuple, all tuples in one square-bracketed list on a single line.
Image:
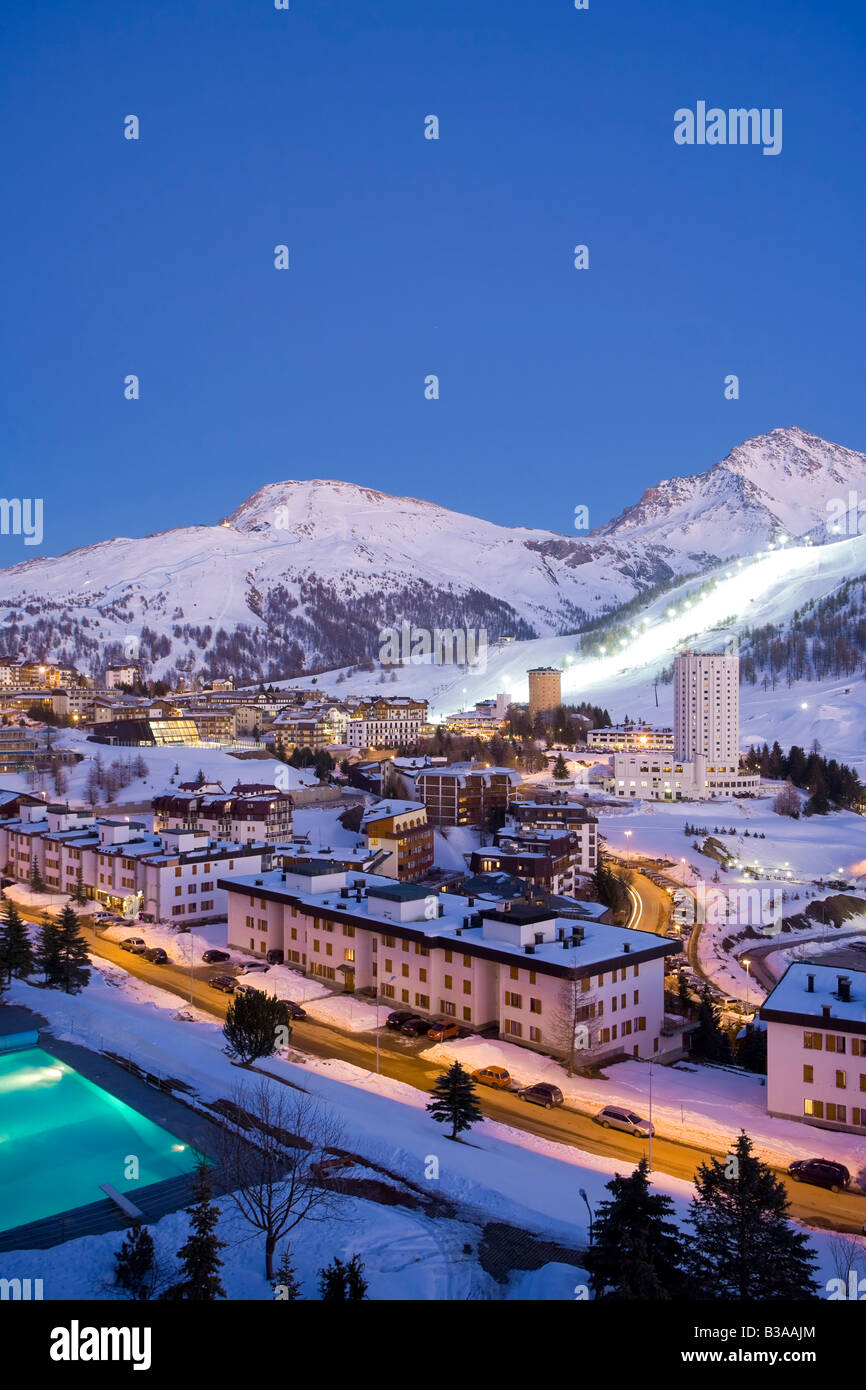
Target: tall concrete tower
[(545, 690), (706, 707)]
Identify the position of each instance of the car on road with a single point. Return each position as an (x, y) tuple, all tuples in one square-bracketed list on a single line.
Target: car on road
[(295, 1010), (444, 1028), (415, 1026), (618, 1117), (821, 1172), (275, 956), (226, 983), (241, 988), (103, 916), (497, 1077), (136, 944), (542, 1093), (396, 1019), (209, 957), (157, 955)]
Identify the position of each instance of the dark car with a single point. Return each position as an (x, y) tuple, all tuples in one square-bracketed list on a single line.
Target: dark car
[(210, 957), (224, 982), (295, 1010), (157, 955), (396, 1019), (542, 1093), (275, 956), (415, 1026), (822, 1172)]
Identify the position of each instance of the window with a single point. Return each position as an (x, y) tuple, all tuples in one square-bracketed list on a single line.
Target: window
[(422, 976), (841, 1080), (858, 1047), (405, 971), (513, 1028), (329, 950), (467, 961), (448, 955), (513, 1001), (404, 995), (467, 986), (389, 965), (835, 1043), (812, 1041), (387, 990), (532, 977), (836, 1112), (586, 984), (422, 1001), (808, 1074), (535, 1006), (446, 1008), (515, 973), (815, 1108), (467, 1018), (535, 1035), (636, 999)]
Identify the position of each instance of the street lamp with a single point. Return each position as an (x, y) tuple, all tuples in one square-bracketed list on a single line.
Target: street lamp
[(683, 862), (582, 1191), (628, 835), (378, 1003), (747, 963)]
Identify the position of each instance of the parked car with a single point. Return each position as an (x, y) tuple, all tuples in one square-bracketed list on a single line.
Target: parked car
[(542, 1093), (415, 1026), (146, 916), (102, 916), (497, 1077), (209, 957), (157, 955), (240, 987), (396, 1019), (136, 944), (226, 983), (275, 956), (822, 1172), (250, 966), (617, 1117), (445, 1028), (295, 1010)]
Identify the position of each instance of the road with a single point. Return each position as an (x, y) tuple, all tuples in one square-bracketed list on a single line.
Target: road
[(399, 1059)]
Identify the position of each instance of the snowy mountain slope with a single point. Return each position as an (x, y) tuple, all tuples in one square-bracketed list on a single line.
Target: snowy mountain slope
[(777, 483), (303, 575)]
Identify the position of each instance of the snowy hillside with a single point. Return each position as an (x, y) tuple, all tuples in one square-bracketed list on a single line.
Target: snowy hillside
[(303, 575)]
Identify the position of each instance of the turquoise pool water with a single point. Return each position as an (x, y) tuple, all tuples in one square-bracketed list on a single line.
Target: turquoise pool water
[(61, 1136)]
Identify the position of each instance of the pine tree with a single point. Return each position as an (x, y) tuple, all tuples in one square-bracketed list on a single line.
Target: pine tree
[(744, 1247), (287, 1287), (709, 1040), (16, 952), (636, 1253), (560, 769), (72, 950), (47, 957), (454, 1100), (200, 1259), (35, 881), (79, 894), (340, 1282), (134, 1270), (251, 1026)]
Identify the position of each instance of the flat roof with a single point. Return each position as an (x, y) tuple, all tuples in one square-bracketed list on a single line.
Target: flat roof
[(792, 1001)]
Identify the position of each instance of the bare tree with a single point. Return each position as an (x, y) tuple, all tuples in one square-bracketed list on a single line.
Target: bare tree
[(576, 1009), (271, 1153)]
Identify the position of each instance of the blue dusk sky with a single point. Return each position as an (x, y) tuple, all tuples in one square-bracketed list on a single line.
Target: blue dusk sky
[(411, 256)]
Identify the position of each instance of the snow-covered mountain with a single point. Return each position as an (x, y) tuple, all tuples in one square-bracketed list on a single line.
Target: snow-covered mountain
[(303, 575)]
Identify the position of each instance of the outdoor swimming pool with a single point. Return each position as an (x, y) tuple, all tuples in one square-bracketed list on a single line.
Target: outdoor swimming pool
[(61, 1136)]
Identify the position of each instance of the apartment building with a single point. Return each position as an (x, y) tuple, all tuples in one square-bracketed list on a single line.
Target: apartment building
[(399, 832), (465, 793), (704, 763), (816, 1046), (547, 983), (545, 690), (126, 674), (619, 737), (171, 875), (251, 811)]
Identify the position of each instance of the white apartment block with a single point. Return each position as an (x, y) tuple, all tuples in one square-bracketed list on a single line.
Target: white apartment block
[(172, 875), (620, 737), (381, 733), (248, 813), (707, 706), (542, 980), (704, 763), (816, 1046)]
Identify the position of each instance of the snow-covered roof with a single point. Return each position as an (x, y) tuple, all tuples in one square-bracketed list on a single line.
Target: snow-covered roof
[(824, 1001)]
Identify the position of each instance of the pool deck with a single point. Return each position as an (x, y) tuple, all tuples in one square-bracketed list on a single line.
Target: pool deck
[(163, 1108)]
